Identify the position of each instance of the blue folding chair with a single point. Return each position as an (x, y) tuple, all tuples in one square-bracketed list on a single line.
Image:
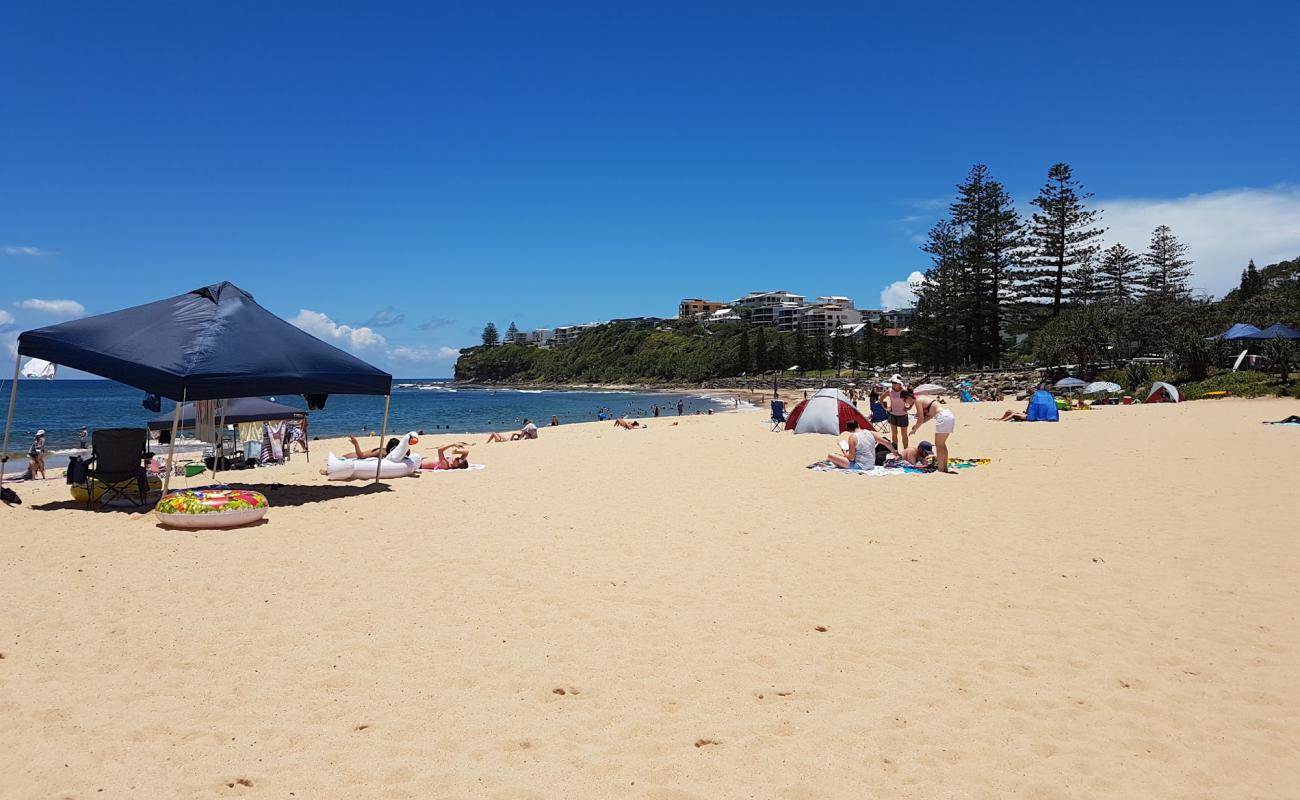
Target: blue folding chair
[(778, 415), (879, 417)]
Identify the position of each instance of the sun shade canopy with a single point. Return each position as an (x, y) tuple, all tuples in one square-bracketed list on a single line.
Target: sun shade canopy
[(212, 343), (240, 409)]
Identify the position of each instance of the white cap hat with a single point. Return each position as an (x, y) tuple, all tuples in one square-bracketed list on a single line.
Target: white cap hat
[(896, 378), (41, 432)]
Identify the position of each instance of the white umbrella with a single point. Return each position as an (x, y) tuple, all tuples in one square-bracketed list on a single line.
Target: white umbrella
[(1069, 383), (1096, 387), (929, 388)]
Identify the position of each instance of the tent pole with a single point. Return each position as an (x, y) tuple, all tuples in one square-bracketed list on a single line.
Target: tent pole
[(383, 431), (171, 452), (9, 419)]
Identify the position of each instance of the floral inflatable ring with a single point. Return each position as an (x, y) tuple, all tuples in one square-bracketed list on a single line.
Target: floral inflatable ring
[(211, 508)]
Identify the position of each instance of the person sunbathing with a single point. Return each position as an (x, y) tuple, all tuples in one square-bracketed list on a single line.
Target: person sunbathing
[(622, 423), (358, 453), (918, 456), (459, 457), (529, 431), (1012, 415), (1294, 419), (376, 452)]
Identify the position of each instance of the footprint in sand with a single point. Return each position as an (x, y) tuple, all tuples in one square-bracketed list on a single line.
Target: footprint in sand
[(706, 742), (239, 782), (361, 727), (561, 690), (821, 628)]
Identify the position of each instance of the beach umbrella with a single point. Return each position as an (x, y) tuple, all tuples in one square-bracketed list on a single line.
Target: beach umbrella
[(827, 411), (1096, 387), (1069, 383), (929, 388), (1279, 331)]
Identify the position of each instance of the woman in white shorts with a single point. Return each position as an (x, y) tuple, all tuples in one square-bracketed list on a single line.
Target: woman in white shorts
[(944, 422)]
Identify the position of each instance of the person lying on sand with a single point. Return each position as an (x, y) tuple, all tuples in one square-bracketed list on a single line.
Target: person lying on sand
[(358, 453), (865, 449), (529, 431), (1294, 419), (1011, 415), (622, 423), (459, 457), (918, 456)]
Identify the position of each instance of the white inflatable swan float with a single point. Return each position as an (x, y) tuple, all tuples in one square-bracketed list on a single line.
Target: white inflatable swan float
[(397, 464)]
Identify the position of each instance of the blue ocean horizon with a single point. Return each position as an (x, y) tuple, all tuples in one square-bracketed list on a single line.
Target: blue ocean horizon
[(62, 407)]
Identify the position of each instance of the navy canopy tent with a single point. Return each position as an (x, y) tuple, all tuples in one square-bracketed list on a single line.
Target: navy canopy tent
[(1279, 331), (213, 343), (208, 344), (240, 409)]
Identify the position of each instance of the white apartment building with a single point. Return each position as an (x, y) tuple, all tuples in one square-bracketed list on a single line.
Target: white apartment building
[(827, 320), (839, 301), (564, 334), (771, 309), (542, 337)]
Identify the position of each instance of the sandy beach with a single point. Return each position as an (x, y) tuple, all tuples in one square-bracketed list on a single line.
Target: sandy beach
[(1107, 610)]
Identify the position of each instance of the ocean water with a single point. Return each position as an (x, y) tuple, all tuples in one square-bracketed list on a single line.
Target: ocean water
[(61, 407)]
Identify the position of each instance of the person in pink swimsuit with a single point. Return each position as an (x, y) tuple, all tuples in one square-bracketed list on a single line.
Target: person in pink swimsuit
[(459, 457)]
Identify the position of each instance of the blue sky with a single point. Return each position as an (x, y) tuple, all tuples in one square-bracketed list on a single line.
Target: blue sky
[(414, 170)]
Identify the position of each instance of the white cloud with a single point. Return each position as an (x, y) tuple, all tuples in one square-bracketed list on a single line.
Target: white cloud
[(6, 319), (1224, 229), (59, 308), (23, 250), (345, 336), (366, 340), (901, 294), (10, 341), (422, 354)]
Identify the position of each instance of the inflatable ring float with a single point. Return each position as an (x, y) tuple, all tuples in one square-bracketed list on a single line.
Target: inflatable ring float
[(211, 508)]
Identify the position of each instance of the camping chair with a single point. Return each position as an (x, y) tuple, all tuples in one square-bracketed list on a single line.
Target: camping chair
[(117, 460), (778, 415), (879, 417)]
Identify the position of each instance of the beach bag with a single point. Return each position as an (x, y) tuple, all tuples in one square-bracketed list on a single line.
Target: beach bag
[(10, 497)]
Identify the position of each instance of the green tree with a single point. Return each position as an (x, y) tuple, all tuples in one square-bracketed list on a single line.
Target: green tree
[(1167, 266), (762, 360), (1281, 356), (1251, 281), (1087, 286), (837, 353), (938, 326), (1121, 274), (742, 350), (990, 245), (490, 336), (512, 333), (1061, 234)]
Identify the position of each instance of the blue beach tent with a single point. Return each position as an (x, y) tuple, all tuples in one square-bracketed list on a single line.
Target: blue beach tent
[(1240, 330), (1042, 407)]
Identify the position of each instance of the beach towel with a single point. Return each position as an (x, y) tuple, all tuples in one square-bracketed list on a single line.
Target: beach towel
[(449, 471), (894, 468)]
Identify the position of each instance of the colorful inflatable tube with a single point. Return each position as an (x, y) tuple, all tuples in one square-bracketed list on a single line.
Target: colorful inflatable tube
[(397, 464), (211, 508)]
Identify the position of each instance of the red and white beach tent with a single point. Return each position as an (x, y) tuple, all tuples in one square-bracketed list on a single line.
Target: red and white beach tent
[(1162, 392), (824, 412)]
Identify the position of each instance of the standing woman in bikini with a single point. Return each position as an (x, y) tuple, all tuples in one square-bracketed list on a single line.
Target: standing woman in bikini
[(944, 422)]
